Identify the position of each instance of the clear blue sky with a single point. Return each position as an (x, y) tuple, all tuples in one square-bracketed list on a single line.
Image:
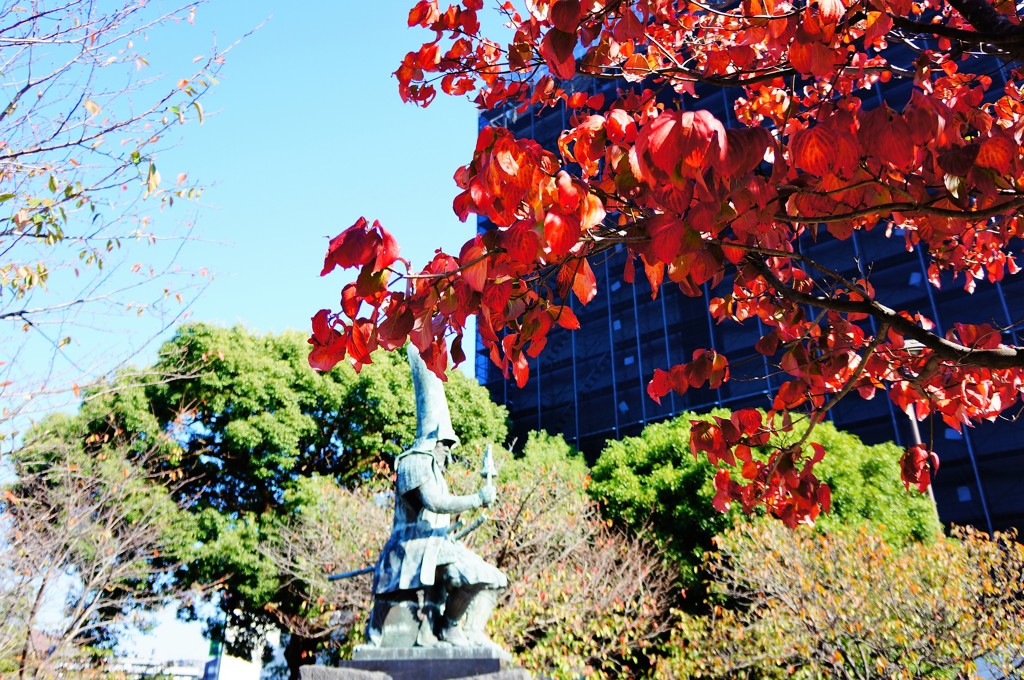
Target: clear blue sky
[(305, 133)]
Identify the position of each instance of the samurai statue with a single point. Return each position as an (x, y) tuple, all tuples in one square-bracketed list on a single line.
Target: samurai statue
[(429, 589)]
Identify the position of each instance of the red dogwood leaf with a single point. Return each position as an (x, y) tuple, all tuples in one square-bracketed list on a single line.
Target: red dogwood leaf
[(474, 264), (360, 245), (566, 15), (556, 49), (814, 149), (917, 466), (584, 283)]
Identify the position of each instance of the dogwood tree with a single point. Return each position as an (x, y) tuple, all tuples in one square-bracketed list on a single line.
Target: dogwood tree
[(697, 201)]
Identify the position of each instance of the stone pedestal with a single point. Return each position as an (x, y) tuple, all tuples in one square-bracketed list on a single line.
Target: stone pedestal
[(419, 663), (403, 623)]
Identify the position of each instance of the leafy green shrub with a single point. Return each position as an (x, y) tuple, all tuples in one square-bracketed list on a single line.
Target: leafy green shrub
[(654, 482), (850, 604)]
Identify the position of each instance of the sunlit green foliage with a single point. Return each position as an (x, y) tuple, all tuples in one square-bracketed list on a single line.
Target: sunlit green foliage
[(654, 482), (240, 423)]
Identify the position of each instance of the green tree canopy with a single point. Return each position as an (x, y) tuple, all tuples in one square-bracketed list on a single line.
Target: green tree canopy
[(653, 481), (248, 414), (244, 421)]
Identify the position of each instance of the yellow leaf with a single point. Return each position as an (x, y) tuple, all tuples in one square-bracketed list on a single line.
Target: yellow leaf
[(152, 180), (92, 107)]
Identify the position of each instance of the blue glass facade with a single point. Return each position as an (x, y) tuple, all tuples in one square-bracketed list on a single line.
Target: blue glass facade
[(590, 385)]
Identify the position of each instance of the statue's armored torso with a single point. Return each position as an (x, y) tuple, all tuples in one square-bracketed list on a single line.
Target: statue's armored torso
[(410, 557)]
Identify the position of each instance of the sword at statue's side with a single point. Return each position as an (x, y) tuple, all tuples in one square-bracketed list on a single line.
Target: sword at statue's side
[(350, 574)]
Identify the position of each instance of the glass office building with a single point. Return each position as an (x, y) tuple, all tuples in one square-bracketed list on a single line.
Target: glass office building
[(590, 385)]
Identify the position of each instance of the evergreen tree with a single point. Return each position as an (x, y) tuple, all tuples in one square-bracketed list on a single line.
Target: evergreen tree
[(654, 482)]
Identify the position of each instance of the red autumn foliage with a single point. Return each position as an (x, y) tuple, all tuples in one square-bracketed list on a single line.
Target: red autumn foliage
[(695, 200), (361, 245), (917, 467)]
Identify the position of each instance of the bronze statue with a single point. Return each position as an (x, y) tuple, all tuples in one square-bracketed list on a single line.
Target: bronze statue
[(429, 589)]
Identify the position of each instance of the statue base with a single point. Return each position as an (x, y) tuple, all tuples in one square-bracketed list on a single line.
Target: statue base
[(419, 663), (441, 651)]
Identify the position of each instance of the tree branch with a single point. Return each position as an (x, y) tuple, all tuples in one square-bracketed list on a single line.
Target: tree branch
[(992, 28), (919, 208), (954, 352)]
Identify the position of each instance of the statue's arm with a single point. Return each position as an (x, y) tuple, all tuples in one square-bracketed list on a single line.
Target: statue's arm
[(417, 485), (437, 501)]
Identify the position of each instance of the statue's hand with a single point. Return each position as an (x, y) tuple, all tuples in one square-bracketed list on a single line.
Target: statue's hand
[(486, 495)]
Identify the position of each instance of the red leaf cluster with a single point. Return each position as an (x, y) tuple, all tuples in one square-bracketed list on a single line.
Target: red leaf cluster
[(707, 366), (784, 482), (361, 245), (917, 466)]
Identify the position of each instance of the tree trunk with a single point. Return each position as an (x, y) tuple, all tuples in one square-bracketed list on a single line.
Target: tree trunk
[(299, 651), (27, 650)]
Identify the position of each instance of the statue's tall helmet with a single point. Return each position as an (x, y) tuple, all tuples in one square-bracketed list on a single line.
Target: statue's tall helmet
[(433, 420)]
